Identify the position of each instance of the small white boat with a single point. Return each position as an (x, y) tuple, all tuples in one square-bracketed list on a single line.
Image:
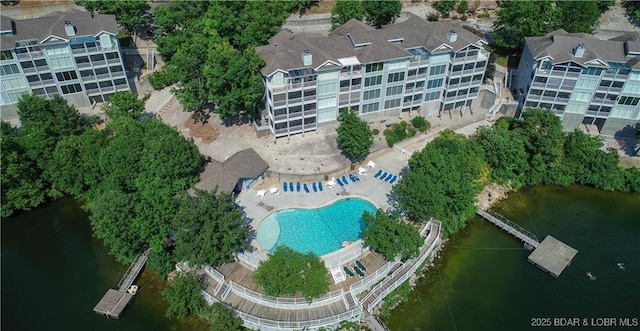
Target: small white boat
[(133, 289)]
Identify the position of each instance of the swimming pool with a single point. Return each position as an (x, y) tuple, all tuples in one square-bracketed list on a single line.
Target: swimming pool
[(317, 230)]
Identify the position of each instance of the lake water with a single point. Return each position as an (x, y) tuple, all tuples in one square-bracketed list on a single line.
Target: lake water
[(482, 280)]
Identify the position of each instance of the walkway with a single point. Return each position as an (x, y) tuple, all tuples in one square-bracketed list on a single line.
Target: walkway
[(514, 229)]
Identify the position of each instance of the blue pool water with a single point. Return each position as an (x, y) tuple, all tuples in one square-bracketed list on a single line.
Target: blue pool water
[(317, 230)]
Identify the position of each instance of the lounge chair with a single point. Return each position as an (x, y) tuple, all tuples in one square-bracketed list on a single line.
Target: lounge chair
[(344, 180), (348, 272), (388, 179), (315, 189), (358, 271), (393, 180), (360, 265), (298, 187), (306, 188), (320, 186), (384, 175), (378, 173), (339, 182), (284, 186), (352, 177), (291, 186)]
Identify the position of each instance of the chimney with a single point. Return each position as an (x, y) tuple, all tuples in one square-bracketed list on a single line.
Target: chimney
[(69, 29), (452, 36), (306, 57), (579, 50)]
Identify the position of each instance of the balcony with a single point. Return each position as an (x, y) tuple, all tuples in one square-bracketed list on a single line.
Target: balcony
[(280, 117), (48, 82), (103, 76), (93, 49), (78, 51), (37, 54), (309, 112), (99, 63), (310, 98), (84, 65), (23, 56), (88, 78), (296, 100), (29, 70), (108, 89), (35, 84), (279, 103), (93, 91), (296, 114), (113, 61)]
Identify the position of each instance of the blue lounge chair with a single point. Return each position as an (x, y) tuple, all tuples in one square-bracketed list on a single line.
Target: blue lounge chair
[(298, 187), (378, 173), (393, 180), (384, 175), (360, 265), (315, 189), (389, 178), (284, 186), (352, 177), (344, 180), (291, 186), (339, 182), (306, 188), (320, 186)]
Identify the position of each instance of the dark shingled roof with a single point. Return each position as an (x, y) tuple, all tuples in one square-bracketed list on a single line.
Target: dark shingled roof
[(244, 164), (284, 51), (559, 45), (53, 24)]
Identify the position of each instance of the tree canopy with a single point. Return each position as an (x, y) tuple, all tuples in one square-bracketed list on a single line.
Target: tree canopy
[(389, 235), (505, 153), (287, 272), (344, 10), (381, 12), (123, 103), (354, 135), (209, 229), (129, 13), (442, 182), (222, 318), (184, 295), (523, 18)]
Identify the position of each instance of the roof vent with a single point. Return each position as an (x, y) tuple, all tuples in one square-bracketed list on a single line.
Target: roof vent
[(69, 29), (452, 36), (579, 50), (306, 57)]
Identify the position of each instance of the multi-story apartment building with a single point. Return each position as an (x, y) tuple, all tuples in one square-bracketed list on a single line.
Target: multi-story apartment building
[(429, 67), (582, 79), (73, 54)]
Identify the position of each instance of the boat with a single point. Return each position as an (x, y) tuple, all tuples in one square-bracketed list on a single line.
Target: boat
[(621, 266), (133, 289), (591, 277)]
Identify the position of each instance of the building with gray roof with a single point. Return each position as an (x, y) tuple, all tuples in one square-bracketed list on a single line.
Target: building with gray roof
[(72, 54), (416, 65), (582, 79)]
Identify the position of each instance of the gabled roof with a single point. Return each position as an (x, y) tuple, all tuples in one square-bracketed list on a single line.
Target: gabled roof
[(225, 175), (559, 45), (369, 45), (52, 24)]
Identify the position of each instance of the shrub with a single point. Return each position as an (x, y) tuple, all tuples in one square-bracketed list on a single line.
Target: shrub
[(420, 123), (462, 7), (463, 18), (411, 131), (484, 14), (375, 132), (160, 79), (396, 133), (433, 17), (454, 17)]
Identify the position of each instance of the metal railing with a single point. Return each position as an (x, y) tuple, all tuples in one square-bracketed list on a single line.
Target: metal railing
[(285, 303), (257, 322), (509, 223), (363, 284), (215, 274), (336, 260)]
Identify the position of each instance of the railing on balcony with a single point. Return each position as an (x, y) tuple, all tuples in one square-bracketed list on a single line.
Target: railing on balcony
[(99, 63)]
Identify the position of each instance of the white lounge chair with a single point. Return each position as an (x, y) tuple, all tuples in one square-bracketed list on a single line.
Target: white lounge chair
[(371, 164), (331, 183), (261, 193), (362, 171)]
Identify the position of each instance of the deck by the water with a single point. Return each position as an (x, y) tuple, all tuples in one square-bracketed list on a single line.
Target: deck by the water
[(552, 256), (113, 302)]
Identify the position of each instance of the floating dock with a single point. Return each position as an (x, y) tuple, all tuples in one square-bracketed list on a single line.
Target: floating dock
[(113, 302), (552, 256)]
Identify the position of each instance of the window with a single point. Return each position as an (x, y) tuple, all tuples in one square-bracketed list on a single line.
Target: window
[(454, 81), (412, 72), (592, 71), (586, 84), (465, 79), (86, 73), (370, 107), (605, 109), (13, 83), (10, 69), (345, 83), (33, 78), (617, 84), (437, 70), (71, 88), (422, 70), (451, 94), (113, 55), (26, 64), (82, 59), (473, 90), (469, 66), (605, 83), (310, 93), (115, 69), (628, 101), (371, 81), (432, 96), (409, 86), (580, 96), (540, 80), (56, 49), (420, 84), (97, 57), (278, 97), (374, 67), (67, 75), (457, 67), (563, 95), (395, 77), (433, 83), (6, 55), (394, 90), (417, 97), (368, 95), (392, 103), (481, 64), (551, 94), (91, 86), (123, 81), (40, 63), (477, 77), (105, 83), (61, 62), (330, 87), (38, 91), (294, 95), (536, 92), (356, 81)]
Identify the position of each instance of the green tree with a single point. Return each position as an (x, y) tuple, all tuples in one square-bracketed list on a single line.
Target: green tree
[(505, 153), (22, 187), (354, 136), (444, 6), (123, 103), (184, 295), (209, 229), (344, 10), (462, 6), (389, 235), (288, 272), (129, 13), (633, 10), (544, 142), (522, 18), (222, 318), (604, 5), (381, 12), (443, 181), (578, 16), (588, 164)]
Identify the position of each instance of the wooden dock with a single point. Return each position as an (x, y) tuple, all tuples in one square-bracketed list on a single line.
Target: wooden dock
[(113, 302), (552, 255)]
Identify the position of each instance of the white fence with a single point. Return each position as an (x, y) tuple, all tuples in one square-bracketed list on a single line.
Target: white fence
[(344, 257), (285, 303), (254, 322), (433, 235), (251, 262), (363, 284)]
